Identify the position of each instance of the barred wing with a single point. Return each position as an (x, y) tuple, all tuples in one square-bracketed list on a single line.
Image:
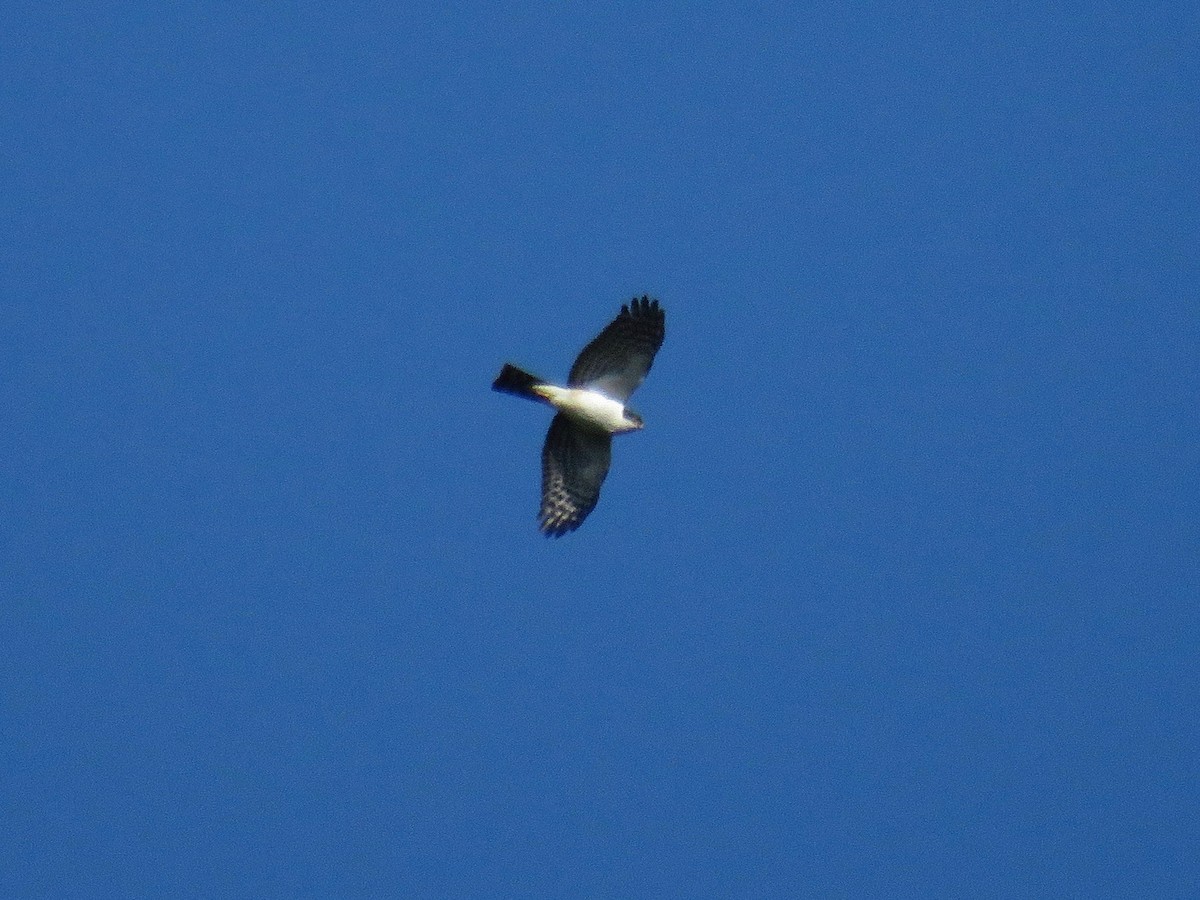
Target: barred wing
[(575, 462), (617, 361)]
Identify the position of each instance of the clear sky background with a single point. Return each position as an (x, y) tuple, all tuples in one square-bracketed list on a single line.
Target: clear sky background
[(896, 594)]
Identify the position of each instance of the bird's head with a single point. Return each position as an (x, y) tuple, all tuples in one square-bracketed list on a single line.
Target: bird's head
[(634, 420)]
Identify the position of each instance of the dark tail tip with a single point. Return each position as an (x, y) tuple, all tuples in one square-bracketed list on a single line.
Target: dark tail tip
[(512, 380)]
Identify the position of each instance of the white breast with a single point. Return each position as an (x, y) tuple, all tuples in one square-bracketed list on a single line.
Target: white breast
[(589, 407)]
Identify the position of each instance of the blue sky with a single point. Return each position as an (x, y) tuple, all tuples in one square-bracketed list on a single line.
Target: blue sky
[(896, 594)]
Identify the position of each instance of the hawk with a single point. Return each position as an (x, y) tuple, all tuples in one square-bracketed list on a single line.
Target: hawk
[(591, 409)]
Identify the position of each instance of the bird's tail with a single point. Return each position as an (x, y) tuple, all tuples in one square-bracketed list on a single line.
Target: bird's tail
[(512, 380)]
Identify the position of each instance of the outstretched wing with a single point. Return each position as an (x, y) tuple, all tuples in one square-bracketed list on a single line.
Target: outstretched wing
[(574, 462), (617, 361)]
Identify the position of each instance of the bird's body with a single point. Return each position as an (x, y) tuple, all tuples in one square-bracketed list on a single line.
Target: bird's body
[(591, 409), (587, 408)]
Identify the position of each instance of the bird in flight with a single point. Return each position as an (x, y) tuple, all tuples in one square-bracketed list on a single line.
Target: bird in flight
[(591, 409)]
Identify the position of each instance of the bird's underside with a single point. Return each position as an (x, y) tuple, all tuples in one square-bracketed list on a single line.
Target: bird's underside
[(590, 410)]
